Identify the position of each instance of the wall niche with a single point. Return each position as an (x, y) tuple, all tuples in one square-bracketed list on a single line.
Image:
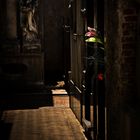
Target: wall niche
[(20, 45)]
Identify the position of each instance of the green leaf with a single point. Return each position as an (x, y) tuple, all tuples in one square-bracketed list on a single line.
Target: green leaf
[(94, 39)]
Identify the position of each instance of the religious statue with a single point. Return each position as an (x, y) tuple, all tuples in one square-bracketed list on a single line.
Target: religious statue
[(28, 23)]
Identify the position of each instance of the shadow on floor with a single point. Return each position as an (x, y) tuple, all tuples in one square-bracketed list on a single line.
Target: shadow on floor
[(5, 129), (13, 98), (25, 97), (22, 97)]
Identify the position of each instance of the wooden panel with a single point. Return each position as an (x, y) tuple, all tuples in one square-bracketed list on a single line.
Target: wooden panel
[(77, 44), (76, 100)]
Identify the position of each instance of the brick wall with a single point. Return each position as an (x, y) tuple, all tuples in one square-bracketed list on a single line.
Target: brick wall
[(121, 18), (128, 53), (129, 99)]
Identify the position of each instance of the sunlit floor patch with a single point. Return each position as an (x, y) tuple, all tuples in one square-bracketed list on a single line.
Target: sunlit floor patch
[(44, 123)]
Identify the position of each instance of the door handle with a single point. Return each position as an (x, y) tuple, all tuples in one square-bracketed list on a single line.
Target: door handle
[(75, 34)]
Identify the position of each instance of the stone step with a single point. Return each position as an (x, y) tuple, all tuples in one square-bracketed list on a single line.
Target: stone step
[(60, 98), (54, 97)]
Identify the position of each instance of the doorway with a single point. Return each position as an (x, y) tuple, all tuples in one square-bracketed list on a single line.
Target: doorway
[(54, 17)]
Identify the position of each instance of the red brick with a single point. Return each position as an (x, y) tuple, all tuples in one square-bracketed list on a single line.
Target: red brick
[(126, 32), (129, 26), (129, 11), (129, 59), (128, 46), (128, 39), (131, 18), (128, 52)]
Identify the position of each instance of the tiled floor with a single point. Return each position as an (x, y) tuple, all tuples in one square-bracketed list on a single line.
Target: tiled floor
[(53, 122), (44, 123)]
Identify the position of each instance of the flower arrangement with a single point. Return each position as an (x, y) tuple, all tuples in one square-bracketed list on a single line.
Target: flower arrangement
[(93, 36)]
